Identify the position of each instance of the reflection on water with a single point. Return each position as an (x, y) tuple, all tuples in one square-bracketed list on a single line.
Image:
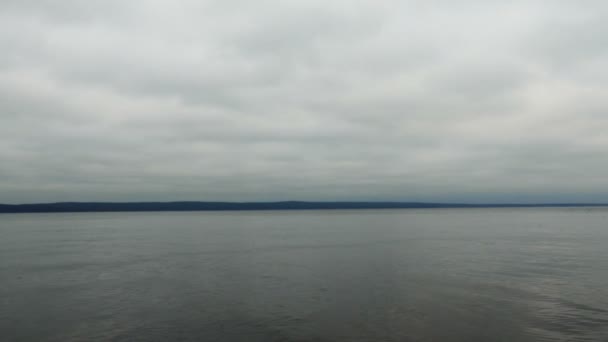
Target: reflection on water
[(374, 275)]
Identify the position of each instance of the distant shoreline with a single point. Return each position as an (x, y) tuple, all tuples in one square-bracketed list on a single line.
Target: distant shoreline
[(67, 207)]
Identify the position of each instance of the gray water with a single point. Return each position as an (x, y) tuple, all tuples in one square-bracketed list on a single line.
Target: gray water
[(368, 275)]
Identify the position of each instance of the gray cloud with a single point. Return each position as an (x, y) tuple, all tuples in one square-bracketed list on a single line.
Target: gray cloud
[(311, 100)]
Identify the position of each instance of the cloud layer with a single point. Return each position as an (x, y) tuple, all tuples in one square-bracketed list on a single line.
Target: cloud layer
[(310, 100)]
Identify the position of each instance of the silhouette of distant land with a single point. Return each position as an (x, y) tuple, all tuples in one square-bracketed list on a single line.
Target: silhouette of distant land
[(286, 205)]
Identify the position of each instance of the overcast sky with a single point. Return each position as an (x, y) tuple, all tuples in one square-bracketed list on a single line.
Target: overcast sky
[(421, 100)]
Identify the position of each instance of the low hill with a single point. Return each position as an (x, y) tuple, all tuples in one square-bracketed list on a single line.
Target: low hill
[(287, 205)]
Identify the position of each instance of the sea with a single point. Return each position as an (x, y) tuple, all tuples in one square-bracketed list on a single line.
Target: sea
[(506, 274)]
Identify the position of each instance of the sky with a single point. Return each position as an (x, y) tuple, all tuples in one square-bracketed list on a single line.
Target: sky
[(233, 100)]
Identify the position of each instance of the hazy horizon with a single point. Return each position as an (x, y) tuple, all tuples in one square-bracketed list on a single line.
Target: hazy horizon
[(479, 203), (413, 101)]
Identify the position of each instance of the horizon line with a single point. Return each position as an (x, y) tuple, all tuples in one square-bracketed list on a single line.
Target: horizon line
[(158, 206)]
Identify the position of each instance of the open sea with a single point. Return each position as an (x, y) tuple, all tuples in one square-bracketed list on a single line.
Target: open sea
[(513, 275)]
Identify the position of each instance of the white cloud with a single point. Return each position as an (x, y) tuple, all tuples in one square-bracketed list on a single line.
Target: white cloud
[(272, 100)]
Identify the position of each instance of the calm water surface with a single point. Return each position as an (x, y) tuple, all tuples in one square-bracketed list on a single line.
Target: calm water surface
[(371, 275)]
